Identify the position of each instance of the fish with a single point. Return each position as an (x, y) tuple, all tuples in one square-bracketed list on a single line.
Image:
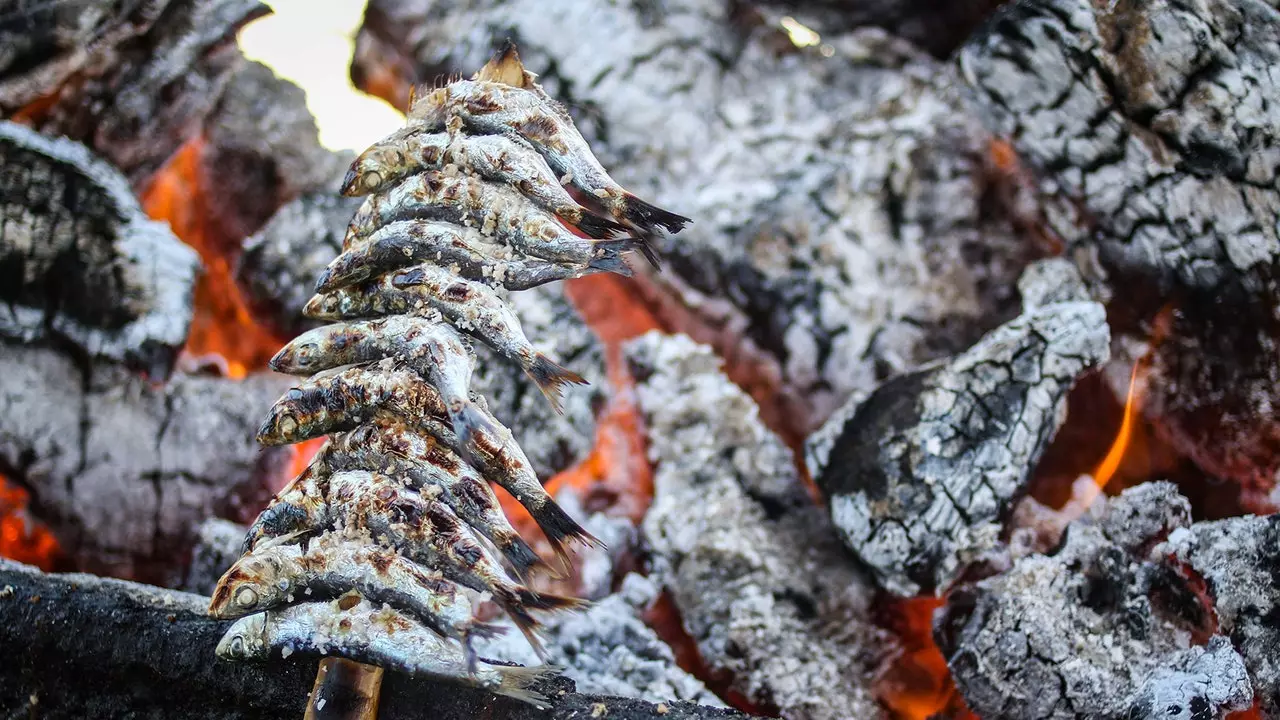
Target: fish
[(427, 531), (409, 242), (428, 345), (495, 210), (300, 504), (329, 567), (358, 630), (504, 98), (472, 307), (502, 159), (392, 446)]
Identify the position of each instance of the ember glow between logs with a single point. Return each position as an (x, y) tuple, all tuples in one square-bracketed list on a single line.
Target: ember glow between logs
[(23, 538)]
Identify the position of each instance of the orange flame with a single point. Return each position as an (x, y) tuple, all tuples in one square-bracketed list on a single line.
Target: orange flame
[(917, 683), (1106, 469), (21, 537), (223, 329)]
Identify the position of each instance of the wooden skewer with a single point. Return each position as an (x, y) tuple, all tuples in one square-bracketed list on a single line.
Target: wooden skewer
[(344, 690)]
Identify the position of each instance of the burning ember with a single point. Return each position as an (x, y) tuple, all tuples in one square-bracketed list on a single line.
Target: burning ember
[(23, 538), (917, 684)]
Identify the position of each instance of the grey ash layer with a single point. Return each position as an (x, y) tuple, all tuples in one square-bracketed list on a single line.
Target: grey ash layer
[(920, 473)]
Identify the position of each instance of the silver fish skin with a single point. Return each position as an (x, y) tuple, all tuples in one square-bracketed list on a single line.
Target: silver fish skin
[(335, 401), (473, 308), (409, 242), (429, 532), (329, 567), (380, 636), (429, 346), (505, 160), (394, 448), (491, 107), (495, 210), (300, 505)]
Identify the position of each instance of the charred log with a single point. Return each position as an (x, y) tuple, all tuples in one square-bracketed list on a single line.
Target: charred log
[(921, 472), (938, 26), (79, 261), (836, 277), (754, 567), (93, 647), (133, 81), (1153, 131), (1087, 633)]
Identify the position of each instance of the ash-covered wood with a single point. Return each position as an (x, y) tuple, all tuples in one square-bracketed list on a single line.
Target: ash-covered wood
[(753, 565), (840, 230), (1152, 127), (261, 150), (132, 81), (81, 263), (124, 470), (1094, 630), (938, 26), (919, 474), (93, 647), (1239, 562)]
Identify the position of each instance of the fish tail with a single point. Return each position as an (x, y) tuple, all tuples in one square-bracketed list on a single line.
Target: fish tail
[(485, 630), (597, 227), (644, 245), (561, 529), (509, 600), (518, 681), (551, 379), (520, 555), (535, 600), (611, 261), (646, 216)]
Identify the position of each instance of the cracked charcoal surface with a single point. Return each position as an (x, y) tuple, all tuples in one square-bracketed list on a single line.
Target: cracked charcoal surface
[(608, 649), (839, 224), (1239, 558), (754, 567), (1153, 129), (80, 260), (1081, 628), (124, 471), (108, 648), (133, 81), (939, 26), (920, 474)]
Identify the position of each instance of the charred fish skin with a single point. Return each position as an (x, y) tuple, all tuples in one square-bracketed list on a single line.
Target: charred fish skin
[(410, 242), (334, 402), (284, 574), (501, 159), (495, 210), (357, 630), (393, 446), (300, 505), (504, 98)]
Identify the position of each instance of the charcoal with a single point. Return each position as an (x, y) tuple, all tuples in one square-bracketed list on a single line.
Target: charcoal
[(81, 263), (1197, 682), (1077, 634), (124, 470), (217, 547), (261, 151), (1153, 132), (95, 647), (754, 567), (1238, 559), (280, 263), (938, 26), (920, 473), (840, 233), (133, 81)]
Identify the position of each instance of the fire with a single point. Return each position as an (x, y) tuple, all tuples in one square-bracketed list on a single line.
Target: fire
[(223, 330), (917, 683), (21, 537)]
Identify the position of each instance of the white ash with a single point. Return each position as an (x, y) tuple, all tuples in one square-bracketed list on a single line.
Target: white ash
[(762, 584), (216, 549), (838, 201), (596, 566), (1238, 559), (919, 477), (607, 649), (1087, 627)]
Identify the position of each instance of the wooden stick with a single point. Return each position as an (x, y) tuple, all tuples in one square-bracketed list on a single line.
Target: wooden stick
[(344, 690)]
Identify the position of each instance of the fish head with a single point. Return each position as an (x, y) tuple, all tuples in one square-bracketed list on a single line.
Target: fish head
[(283, 423), (302, 356), (252, 585), (323, 306), (246, 639)]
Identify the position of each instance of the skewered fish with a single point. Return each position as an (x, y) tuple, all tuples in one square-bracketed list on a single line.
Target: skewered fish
[(356, 629)]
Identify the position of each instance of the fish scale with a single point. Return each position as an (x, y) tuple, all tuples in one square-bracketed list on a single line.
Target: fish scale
[(396, 508)]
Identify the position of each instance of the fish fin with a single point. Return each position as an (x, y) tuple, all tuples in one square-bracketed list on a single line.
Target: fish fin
[(646, 216), (551, 379), (520, 556), (597, 227), (517, 681), (535, 600), (612, 261), (526, 623), (644, 245), (505, 67), (486, 630)]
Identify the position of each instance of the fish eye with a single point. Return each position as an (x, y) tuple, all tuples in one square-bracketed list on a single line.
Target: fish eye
[(237, 645), (305, 354), (373, 179), (246, 597), (288, 424)]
